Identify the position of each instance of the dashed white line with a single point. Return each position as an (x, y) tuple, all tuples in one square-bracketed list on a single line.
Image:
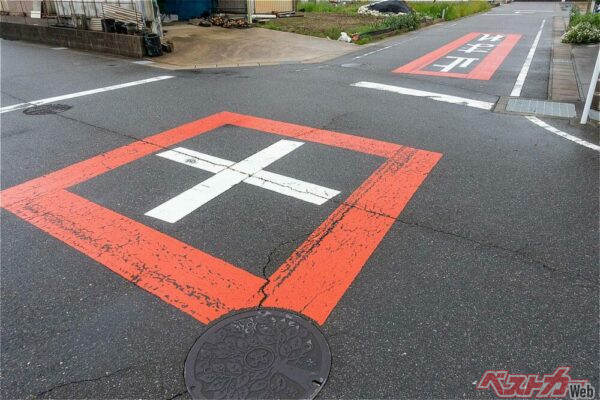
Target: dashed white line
[(384, 48), (516, 92), (565, 135), (143, 62), (34, 103), (483, 105), (59, 48)]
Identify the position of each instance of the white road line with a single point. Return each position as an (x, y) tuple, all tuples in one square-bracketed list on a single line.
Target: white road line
[(484, 105), (143, 62), (291, 187), (229, 174), (384, 48), (59, 48), (34, 103), (196, 159), (558, 132), (285, 185), (516, 92)]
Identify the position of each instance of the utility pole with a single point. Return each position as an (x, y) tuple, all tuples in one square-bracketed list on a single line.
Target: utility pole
[(250, 10)]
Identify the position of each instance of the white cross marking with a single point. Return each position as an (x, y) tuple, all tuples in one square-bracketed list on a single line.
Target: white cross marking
[(463, 61), (476, 48), (487, 36), (229, 173)]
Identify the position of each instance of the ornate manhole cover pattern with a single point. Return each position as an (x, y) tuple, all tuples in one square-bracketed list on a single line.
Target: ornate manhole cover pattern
[(259, 354), (46, 109)]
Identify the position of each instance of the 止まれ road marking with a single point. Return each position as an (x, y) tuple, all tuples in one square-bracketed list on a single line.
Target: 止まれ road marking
[(311, 281), (487, 52), (483, 105), (49, 100), (251, 170), (516, 92), (565, 135)]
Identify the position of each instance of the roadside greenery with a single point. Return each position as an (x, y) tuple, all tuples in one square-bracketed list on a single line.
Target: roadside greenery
[(399, 23), (454, 10), (577, 17), (345, 8), (583, 28), (325, 19)]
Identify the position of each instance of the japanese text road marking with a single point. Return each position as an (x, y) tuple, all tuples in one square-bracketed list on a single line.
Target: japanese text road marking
[(311, 281), (228, 174), (486, 53), (49, 100)]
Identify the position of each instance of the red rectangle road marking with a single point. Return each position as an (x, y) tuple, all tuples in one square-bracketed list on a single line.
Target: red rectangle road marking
[(349, 142), (205, 286), (483, 71), (197, 283), (92, 167), (319, 272)]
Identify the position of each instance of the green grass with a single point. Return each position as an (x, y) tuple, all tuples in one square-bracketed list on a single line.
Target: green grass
[(350, 8), (453, 10)]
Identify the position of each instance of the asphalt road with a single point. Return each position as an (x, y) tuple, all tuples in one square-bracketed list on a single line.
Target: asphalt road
[(492, 264)]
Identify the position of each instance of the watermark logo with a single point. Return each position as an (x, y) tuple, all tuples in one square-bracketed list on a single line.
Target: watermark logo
[(559, 384)]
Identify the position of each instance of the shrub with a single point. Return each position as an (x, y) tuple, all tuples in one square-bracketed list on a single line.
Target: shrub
[(577, 18), (583, 32), (407, 22)]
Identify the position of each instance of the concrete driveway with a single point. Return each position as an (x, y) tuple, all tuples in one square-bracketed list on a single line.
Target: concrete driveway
[(198, 47)]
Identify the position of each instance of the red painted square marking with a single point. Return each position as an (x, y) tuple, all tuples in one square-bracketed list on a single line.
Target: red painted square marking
[(484, 70), (311, 281)]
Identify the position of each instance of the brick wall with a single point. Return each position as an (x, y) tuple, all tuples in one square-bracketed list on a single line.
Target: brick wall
[(113, 43)]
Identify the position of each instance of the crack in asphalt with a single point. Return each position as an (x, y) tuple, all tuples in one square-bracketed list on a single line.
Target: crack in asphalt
[(517, 252), (263, 287), (525, 257), (107, 375), (177, 395)]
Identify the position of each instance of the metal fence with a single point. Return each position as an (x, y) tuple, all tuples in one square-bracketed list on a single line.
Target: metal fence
[(80, 14)]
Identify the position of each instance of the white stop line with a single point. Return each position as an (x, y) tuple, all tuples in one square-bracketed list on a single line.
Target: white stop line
[(49, 100)]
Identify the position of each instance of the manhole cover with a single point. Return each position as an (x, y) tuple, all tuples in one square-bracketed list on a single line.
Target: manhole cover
[(46, 109), (259, 354)]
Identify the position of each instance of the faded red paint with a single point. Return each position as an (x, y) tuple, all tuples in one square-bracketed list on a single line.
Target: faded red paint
[(311, 281)]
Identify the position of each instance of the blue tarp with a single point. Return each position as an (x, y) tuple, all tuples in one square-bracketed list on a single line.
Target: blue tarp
[(187, 9)]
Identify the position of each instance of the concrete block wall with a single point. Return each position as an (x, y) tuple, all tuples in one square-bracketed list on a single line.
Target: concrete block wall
[(112, 43)]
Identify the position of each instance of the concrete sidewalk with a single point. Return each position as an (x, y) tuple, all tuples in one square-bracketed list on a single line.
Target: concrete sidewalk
[(584, 58), (199, 47)]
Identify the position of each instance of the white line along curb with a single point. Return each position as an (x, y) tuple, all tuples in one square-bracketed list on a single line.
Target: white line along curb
[(483, 105), (516, 92), (558, 132), (49, 100)]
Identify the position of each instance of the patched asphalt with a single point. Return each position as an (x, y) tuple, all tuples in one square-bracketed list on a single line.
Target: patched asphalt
[(492, 265)]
